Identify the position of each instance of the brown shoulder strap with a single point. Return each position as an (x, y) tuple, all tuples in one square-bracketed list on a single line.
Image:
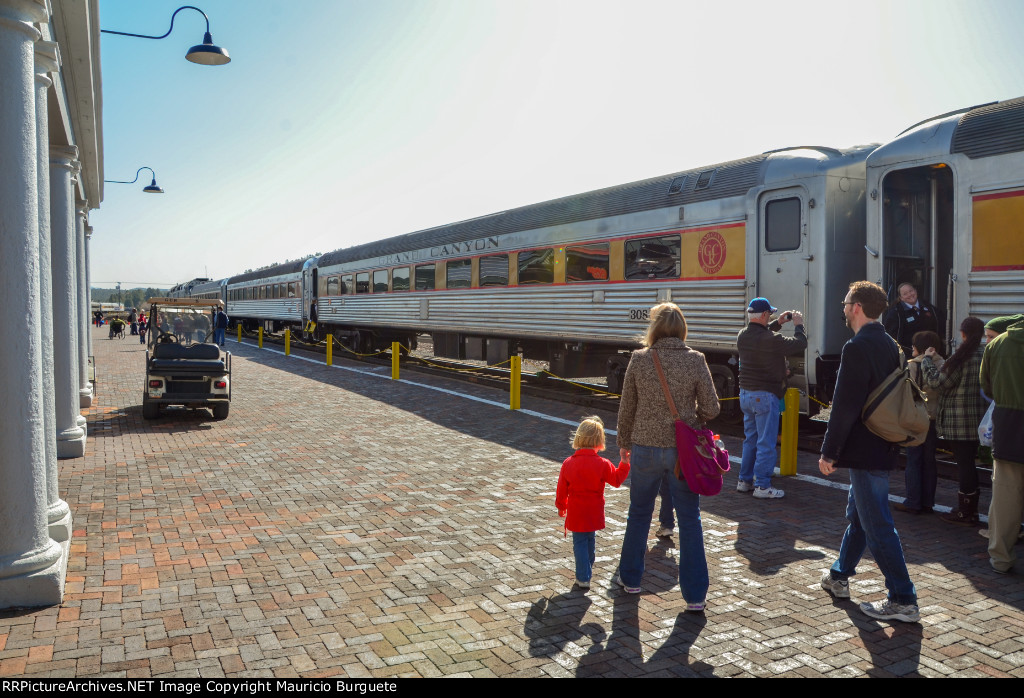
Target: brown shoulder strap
[(664, 385)]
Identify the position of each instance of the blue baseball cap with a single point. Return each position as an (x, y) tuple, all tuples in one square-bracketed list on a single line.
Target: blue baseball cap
[(760, 305)]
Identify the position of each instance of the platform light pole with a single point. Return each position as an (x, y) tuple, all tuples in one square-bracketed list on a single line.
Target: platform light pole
[(206, 53)]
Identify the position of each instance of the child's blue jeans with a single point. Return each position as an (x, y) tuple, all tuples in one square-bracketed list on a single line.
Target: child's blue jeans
[(583, 550)]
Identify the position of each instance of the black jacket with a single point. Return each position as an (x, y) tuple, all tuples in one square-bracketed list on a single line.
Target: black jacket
[(867, 359), (902, 323), (763, 356)]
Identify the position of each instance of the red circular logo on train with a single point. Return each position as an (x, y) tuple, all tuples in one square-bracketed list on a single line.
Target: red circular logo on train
[(711, 254)]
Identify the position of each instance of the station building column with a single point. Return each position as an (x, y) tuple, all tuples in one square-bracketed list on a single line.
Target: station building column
[(85, 391), (32, 565), (70, 435), (58, 514)]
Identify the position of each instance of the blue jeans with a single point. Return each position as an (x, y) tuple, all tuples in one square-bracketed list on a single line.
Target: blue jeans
[(760, 434), (218, 336), (871, 526), (665, 510), (921, 475), (583, 550), (649, 465)]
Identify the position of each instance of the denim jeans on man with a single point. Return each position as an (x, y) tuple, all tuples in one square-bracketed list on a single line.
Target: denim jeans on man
[(871, 526), (583, 550), (649, 466), (218, 336), (760, 434)]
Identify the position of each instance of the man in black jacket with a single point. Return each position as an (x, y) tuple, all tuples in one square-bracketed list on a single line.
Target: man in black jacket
[(763, 353), (866, 361), (909, 316)]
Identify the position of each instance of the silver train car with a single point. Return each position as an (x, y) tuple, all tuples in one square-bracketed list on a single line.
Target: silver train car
[(571, 280), (946, 212)]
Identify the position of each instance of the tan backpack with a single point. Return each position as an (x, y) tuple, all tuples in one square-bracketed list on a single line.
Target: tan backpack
[(897, 410)]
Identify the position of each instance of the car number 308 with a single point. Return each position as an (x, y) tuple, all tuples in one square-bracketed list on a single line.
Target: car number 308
[(640, 314)]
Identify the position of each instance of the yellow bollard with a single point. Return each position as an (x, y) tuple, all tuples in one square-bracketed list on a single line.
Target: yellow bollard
[(330, 345), (287, 342), (239, 333), (259, 340), (394, 361), (790, 429), (517, 368)]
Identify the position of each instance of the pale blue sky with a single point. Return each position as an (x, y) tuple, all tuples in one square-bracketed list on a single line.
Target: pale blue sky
[(341, 121)]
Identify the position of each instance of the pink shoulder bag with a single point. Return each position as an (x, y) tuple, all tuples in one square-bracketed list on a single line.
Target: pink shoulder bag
[(699, 461)]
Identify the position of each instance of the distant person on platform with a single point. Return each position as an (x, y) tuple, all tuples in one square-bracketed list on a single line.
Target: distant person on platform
[(763, 353), (220, 326), (908, 316)]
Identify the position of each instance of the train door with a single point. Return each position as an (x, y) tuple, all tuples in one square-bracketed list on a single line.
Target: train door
[(782, 257), (917, 236)]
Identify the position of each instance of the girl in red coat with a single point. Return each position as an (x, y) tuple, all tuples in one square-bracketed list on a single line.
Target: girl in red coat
[(580, 494)]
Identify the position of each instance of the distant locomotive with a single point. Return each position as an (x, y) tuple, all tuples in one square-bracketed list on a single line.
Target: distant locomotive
[(571, 281)]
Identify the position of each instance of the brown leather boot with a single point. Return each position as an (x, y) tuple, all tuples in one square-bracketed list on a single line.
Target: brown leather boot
[(967, 513)]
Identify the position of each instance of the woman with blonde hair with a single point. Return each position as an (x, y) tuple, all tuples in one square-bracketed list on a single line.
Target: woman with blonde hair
[(646, 438)]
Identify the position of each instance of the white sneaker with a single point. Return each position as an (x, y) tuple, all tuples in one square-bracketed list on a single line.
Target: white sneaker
[(768, 493), (888, 610), (839, 588), (663, 532), (744, 486)]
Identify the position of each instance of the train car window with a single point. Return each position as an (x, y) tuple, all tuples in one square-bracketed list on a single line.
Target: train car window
[(459, 273), (363, 282), (494, 270), (380, 281), (782, 225), (348, 284), (677, 185), (293, 289), (400, 279), (425, 277), (333, 286), (537, 267), (653, 258), (587, 262), (704, 180)]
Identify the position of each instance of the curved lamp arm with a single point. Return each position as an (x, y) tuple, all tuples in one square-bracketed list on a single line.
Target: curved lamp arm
[(117, 181), (144, 36)]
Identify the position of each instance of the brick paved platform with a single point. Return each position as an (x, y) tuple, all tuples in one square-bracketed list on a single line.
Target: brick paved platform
[(339, 523)]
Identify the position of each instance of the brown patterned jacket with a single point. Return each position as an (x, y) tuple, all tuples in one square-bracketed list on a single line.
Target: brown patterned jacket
[(644, 415)]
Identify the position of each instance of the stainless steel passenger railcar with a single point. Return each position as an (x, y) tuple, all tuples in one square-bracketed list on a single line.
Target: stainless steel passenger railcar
[(946, 212)]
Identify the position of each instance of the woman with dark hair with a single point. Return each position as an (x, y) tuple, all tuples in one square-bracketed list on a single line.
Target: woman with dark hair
[(646, 437), (961, 408)]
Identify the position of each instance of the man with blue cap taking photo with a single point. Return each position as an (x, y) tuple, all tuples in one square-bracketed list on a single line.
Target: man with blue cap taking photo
[(763, 351)]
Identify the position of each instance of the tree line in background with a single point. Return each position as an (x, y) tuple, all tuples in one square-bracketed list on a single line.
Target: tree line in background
[(131, 298)]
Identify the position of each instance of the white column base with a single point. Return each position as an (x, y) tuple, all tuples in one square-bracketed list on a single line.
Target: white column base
[(70, 444), (82, 424), (42, 584), (85, 397), (59, 516)]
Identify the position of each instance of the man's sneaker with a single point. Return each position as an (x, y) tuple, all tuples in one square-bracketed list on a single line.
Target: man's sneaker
[(839, 588), (664, 532), (744, 486), (888, 610), (629, 590), (582, 585), (768, 493)]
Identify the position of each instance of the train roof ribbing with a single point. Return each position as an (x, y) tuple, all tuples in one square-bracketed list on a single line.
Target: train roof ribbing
[(276, 270), (992, 129), (732, 178)]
